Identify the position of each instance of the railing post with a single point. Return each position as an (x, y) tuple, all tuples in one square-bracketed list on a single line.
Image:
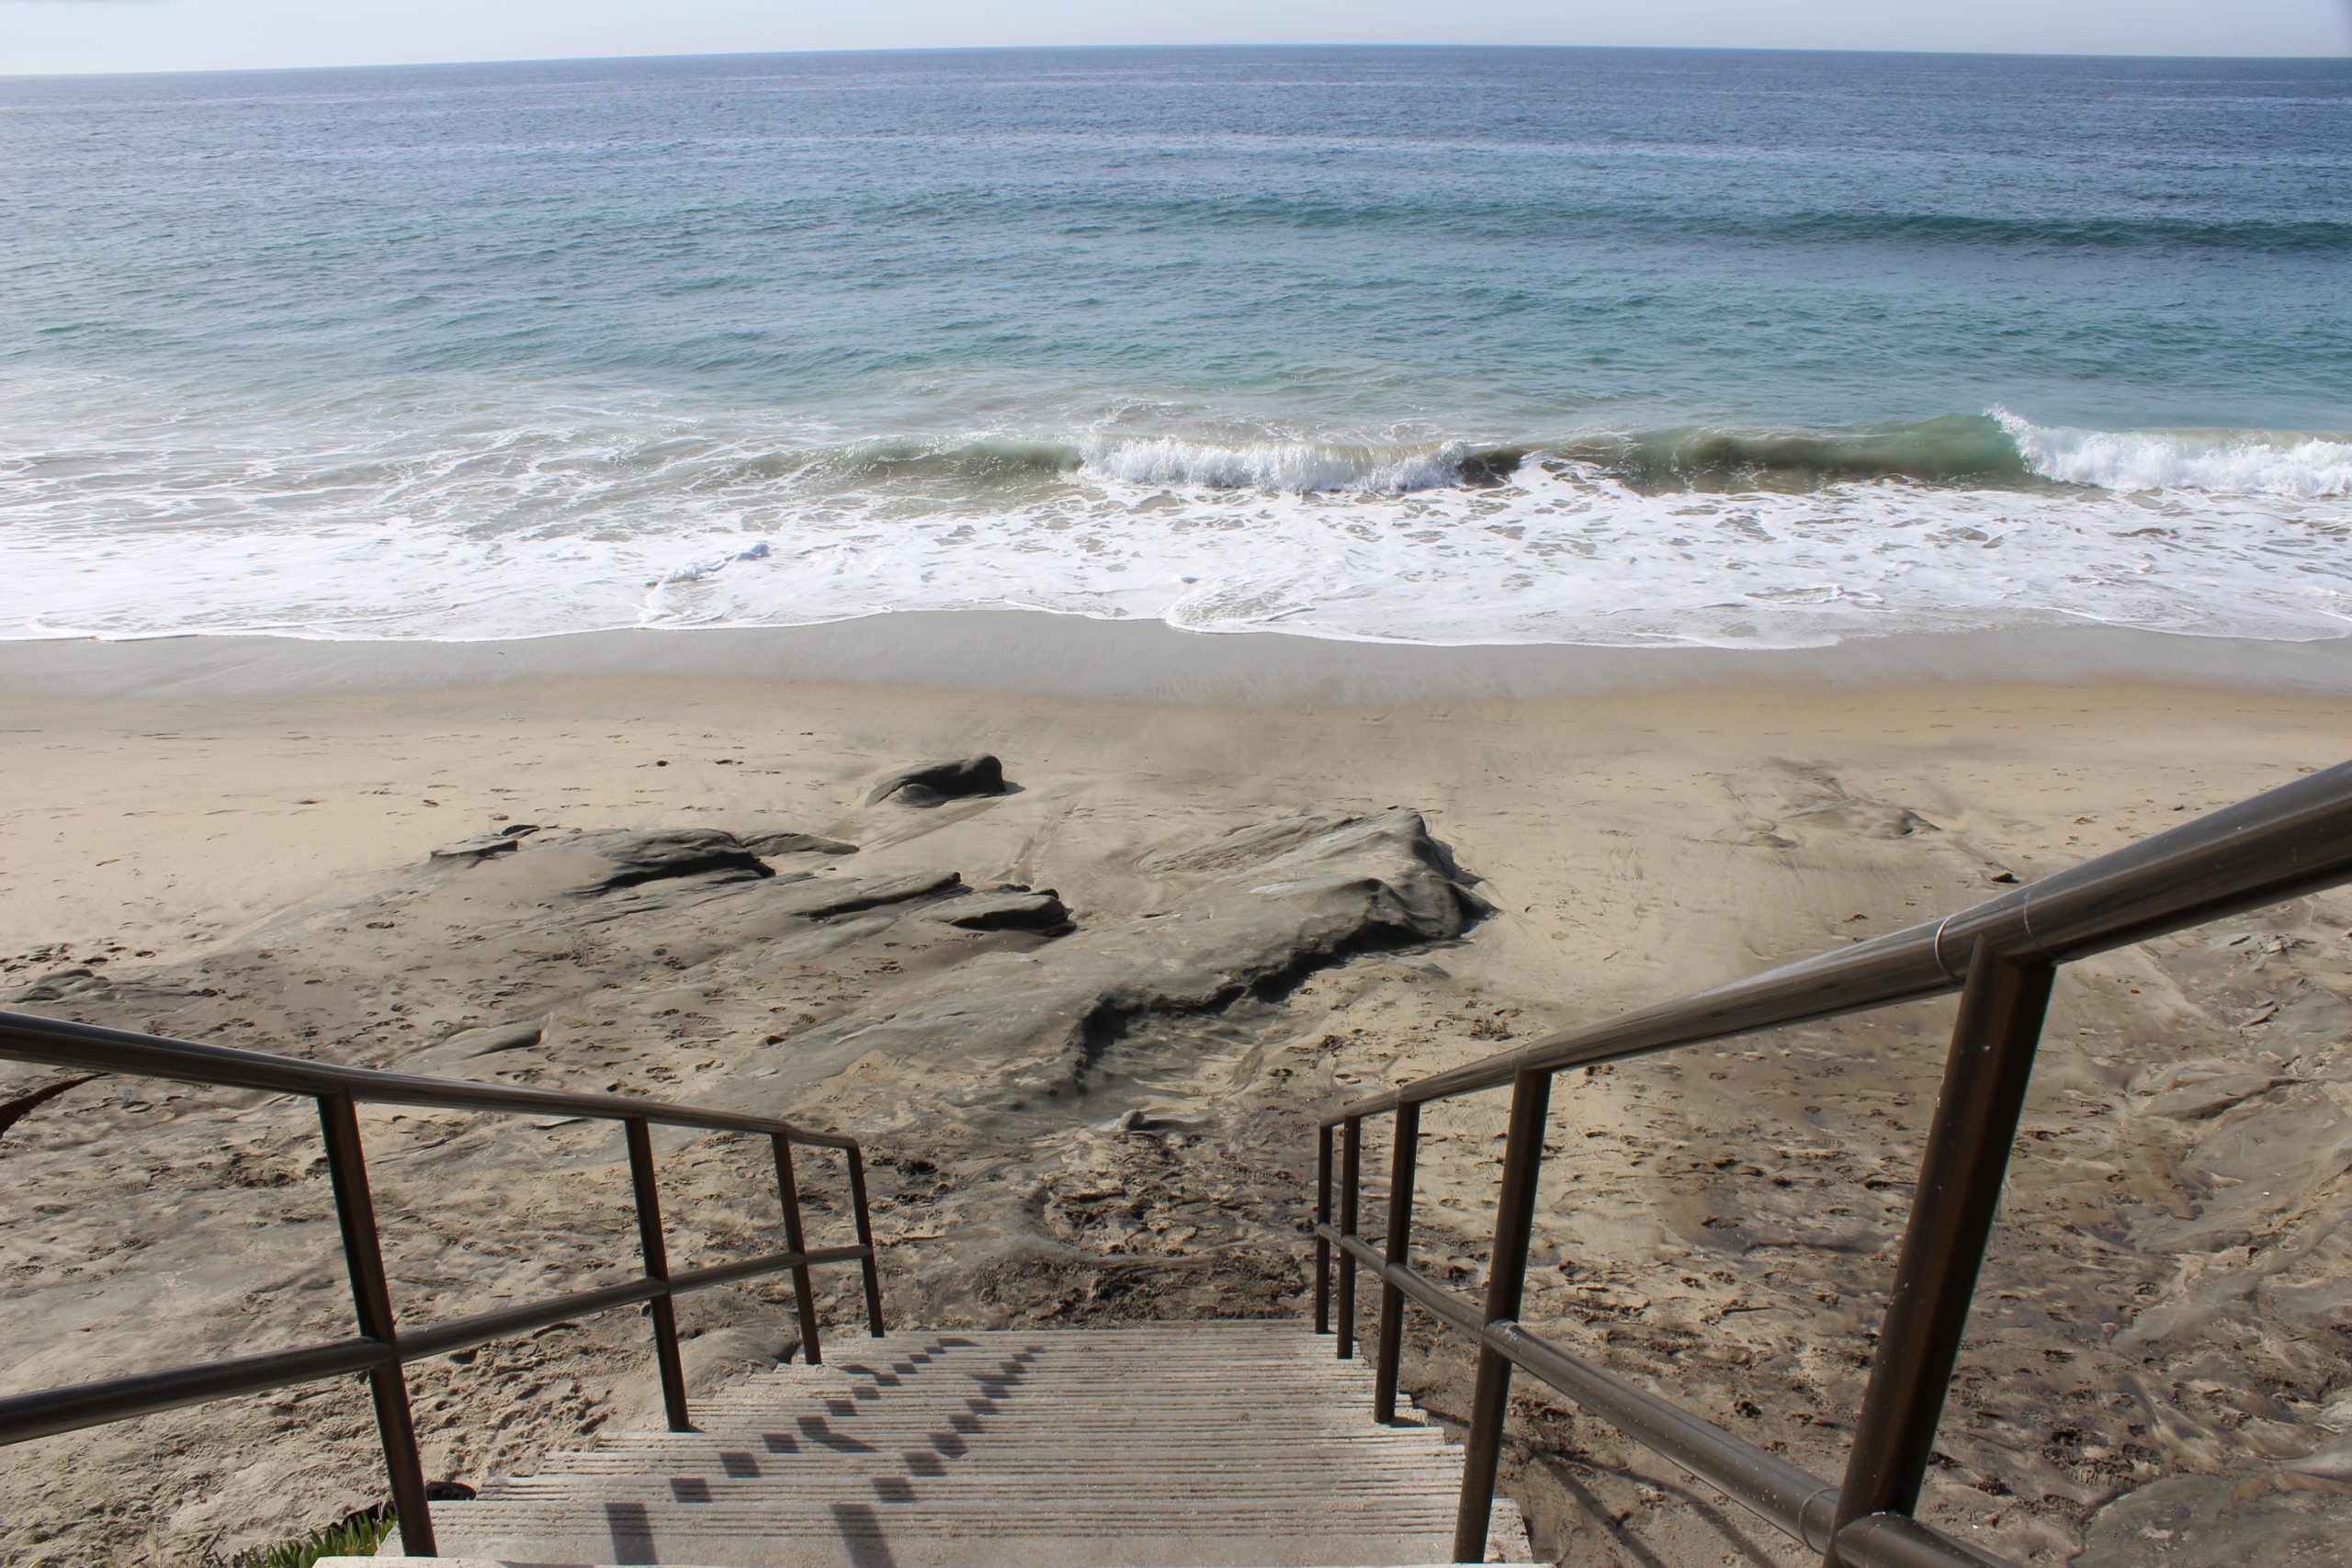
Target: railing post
[(1531, 1105), (1351, 1168), (1322, 1218), (371, 1297), (1391, 1299), (657, 1267), (1961, 1174), (795, 1237), (864, 1220)]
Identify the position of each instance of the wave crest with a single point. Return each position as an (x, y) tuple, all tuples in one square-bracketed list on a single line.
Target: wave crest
[(1298, 467), (1291, 468), (1998, 449), (2235, 462), (1956, 449)]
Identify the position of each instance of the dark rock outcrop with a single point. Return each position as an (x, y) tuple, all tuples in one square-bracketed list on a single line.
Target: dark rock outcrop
[(930, 784), (621, 859)]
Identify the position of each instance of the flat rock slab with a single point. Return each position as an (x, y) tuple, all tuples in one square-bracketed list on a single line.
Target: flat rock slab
[(1024, 1028), (771, 846), (816, 901), (1007, 910)]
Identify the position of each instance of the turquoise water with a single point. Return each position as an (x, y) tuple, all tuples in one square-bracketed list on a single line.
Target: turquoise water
[(1426, 344)]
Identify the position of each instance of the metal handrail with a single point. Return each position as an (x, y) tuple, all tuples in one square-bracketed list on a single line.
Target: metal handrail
[(382, 1348), (2003, 955), (25, 1037)]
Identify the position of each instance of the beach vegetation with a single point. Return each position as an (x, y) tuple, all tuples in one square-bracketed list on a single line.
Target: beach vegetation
[(357, 1535)]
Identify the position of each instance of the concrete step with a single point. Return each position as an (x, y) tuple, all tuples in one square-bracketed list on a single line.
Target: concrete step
[(1161, 1446), (750, 1464), (867, 1541)]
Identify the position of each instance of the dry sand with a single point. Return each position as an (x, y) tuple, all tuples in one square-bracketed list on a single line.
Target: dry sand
[(229, 841)]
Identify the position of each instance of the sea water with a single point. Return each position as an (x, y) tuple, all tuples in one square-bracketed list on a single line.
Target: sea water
[(1434, 344)]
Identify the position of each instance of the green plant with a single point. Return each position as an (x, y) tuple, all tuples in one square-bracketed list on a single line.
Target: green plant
[(354, 1536)]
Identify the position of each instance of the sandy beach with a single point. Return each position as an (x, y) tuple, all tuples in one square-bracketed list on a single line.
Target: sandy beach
[(231, 840), (1065, 591)]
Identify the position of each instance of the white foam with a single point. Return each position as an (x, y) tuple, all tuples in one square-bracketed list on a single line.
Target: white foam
[(454, 523), (2221, 463), (1282, 467)]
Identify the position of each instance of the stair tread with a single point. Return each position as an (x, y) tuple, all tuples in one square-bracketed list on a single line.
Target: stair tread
[(1242, 1445)]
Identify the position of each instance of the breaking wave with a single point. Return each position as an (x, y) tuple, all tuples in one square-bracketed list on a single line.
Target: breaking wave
[(1996, 448), (580, 517), (2222, 462), (1296, 468)]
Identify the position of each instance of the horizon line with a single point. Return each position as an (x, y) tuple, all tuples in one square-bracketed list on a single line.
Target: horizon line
[(1135, 48)]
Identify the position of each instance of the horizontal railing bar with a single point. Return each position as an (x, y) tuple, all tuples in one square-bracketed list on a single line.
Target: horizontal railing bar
[(1801, 1506), (45, 1414), (1794, 1501), (25, 1037), (1892, 1540), (26, 1417), (461, 1333), (464, 1333), (687, 1280), (1457, 1310), (2290, 840)]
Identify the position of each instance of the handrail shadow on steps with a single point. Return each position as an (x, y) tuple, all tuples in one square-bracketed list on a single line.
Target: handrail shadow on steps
[(2002, 956), (381, 1349)]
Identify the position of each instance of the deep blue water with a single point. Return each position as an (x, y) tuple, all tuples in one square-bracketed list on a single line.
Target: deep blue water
[(1433, 343)]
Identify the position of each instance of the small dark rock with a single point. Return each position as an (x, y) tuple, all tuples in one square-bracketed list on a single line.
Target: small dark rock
[(1489, 468), (478, 849), (928, 784), (61, 984), (495, 1039)]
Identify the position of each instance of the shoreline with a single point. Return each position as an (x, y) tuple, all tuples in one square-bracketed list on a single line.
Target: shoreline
[(1047, 654)]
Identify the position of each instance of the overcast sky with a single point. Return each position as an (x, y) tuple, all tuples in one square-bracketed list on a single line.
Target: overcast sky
[(41, 36)]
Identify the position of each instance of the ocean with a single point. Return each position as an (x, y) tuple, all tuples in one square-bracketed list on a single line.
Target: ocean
[(1426, 345)]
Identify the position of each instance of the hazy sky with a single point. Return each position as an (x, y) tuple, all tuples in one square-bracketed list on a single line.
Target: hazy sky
[(162, 35)]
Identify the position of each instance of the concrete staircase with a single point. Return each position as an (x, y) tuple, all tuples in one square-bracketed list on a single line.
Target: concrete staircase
[(1169, 1446)]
